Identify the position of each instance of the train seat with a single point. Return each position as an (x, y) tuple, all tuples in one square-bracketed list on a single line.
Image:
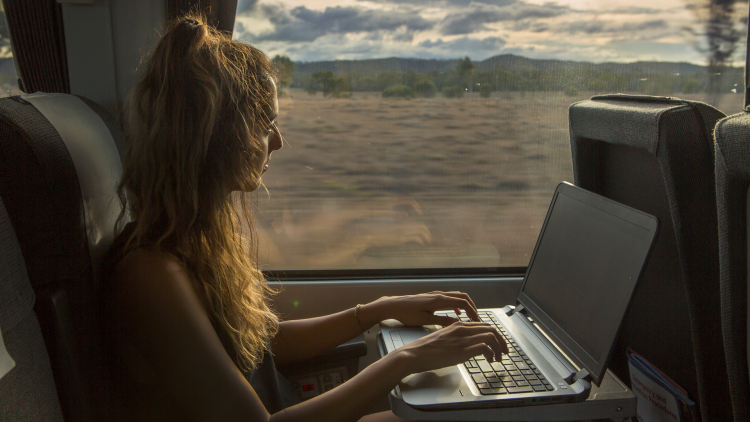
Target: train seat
[(27, 391), (59, 168), (732, 183), (655, 154)]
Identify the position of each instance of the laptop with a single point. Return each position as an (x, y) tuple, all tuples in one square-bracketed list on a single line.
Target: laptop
[(587, 261)]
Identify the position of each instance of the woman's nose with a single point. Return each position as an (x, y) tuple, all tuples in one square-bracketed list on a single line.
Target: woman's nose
[(276, 142)]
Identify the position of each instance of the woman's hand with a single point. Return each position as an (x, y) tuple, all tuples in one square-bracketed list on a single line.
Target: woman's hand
[(453, 345), (420, 309)]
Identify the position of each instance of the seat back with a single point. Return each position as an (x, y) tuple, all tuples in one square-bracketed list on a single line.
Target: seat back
[(27, 392), (59, 167), (732, 183), (655, 154)]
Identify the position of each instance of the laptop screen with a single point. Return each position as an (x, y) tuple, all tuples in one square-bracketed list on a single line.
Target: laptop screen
[(585, 267)]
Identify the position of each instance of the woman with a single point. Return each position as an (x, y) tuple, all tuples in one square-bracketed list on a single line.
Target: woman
[(195, 336)]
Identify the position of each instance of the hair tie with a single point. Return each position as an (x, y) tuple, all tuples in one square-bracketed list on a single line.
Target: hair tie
[(193, 22)]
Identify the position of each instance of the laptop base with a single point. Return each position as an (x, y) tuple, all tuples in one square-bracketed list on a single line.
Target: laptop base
[(612, 400)]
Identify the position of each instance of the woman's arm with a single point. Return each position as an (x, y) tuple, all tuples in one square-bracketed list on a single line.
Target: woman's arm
[(354, 398), (162, 316), (306, 338)]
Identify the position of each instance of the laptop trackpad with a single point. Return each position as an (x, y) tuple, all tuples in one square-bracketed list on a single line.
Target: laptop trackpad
[(404, 337), (426, 387)]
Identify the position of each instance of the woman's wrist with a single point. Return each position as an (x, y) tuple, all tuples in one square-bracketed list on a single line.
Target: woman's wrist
[(400, 364), (371, 313)]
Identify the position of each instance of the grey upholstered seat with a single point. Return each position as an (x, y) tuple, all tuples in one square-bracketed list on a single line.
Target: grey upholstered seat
[(732, 183), (59, 168), (655, 154), (27, 392)]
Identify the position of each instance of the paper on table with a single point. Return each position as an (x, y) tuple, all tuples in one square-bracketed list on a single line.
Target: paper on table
[(654, 402), (6, 362)]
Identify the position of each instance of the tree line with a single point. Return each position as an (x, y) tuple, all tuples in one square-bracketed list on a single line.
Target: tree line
[(465, 79)]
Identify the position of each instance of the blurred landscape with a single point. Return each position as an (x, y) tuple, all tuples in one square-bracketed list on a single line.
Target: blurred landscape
[(508, 72), (482, 164)]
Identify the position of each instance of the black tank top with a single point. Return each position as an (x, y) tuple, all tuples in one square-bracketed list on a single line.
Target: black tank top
[(148, 401)]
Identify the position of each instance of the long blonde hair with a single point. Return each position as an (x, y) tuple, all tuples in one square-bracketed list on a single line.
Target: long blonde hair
[(189, 123)]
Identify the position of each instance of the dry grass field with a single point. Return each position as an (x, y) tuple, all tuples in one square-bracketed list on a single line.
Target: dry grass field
[(482, 170)]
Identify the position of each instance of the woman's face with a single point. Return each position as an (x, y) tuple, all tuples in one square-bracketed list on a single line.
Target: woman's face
[(270, 140)]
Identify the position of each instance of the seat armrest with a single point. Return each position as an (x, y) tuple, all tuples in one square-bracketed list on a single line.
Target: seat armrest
[(346, 355), (53, 310)]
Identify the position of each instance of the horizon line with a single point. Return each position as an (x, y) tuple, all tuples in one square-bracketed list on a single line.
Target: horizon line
[(501, 55)]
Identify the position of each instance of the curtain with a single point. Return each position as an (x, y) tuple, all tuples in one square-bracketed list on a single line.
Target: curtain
[(36, 28)]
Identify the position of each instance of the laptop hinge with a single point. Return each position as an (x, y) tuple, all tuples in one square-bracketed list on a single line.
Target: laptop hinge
[(518, 308), (575, 376)]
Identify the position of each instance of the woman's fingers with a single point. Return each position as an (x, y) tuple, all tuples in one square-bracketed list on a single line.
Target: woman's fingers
[(442, 320), (493, 340), (460, 295), (481, 349), (463, 296), (440, 301), (455, 344), (480, 332)]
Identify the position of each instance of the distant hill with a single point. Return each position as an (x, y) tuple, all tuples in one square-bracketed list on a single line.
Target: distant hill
[(509, 61), (370, 66)]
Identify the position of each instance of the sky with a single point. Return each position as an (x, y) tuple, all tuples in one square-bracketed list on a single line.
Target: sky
[(581, 30)]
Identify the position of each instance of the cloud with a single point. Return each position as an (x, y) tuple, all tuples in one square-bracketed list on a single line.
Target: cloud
[(650, 50), (303, 24), (277, 14), (608, 27), (246, 6), (403, 36), (457, 28), (350, 19), (529, 25), (430, 43), (633, 10), (471, 22), (463, 44), (239, 28), (460, 3), (291, 33)]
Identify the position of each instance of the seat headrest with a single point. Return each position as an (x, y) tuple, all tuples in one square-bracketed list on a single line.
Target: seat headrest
[(97, 163)]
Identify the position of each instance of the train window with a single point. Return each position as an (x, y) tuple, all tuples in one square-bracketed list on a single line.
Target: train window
[(8, 75), (431, 134)]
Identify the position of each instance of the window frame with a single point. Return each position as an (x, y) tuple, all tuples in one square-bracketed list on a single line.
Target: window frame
[(473, 273)]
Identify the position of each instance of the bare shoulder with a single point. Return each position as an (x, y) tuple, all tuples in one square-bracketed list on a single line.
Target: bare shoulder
[(146, 277), (145, 262), (146, 267), (164, 319)]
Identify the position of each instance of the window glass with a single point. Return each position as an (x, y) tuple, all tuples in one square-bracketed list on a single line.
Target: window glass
[(8, 75), (432, 134)]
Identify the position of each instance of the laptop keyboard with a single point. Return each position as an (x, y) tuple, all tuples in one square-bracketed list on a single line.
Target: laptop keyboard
[(514, 373)]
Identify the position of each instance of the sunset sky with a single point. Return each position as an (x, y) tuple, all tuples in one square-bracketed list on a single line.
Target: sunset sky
[(586, 30)]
